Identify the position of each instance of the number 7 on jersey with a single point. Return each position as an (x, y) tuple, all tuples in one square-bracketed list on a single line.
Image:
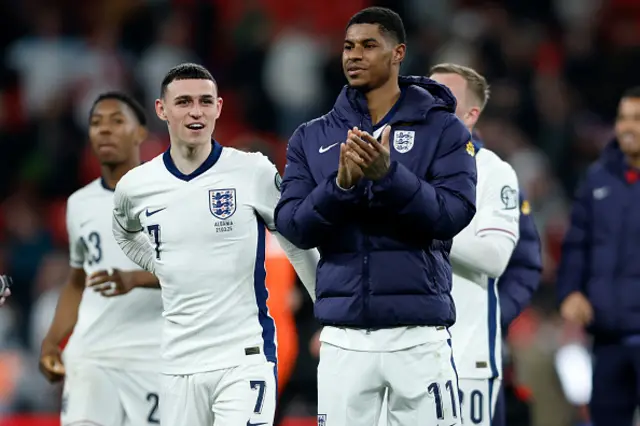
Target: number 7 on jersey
[(154, 232)]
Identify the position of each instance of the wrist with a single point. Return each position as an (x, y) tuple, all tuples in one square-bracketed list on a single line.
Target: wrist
[(49, 343), (343, 186)]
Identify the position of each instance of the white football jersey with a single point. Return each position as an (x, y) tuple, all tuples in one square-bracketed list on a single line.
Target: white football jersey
[(206, 235), (119, 332), (476, 335)]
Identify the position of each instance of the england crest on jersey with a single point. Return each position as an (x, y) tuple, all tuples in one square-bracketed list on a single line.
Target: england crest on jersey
[(403, 140), (222, 203)]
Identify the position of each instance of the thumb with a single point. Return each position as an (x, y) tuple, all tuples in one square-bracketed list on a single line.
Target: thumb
[(385, 136)]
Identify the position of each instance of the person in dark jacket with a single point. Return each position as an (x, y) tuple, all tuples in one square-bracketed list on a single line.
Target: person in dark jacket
[(381, 184), (524, 270), (599, 275)]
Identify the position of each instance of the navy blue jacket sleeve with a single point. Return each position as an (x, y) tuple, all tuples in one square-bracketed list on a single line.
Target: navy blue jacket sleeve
[(522, 276), (445, 204), (308, 211), (572, 272)]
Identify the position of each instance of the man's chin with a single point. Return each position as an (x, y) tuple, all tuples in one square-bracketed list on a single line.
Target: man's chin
[(110, 161), (194, 142), (359, 84)]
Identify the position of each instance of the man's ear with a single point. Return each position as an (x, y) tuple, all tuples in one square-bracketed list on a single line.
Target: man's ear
[(160, 110), (399, 53)]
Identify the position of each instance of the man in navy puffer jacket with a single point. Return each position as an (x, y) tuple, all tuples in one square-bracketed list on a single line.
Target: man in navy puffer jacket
[(599, 275), (382, 208)]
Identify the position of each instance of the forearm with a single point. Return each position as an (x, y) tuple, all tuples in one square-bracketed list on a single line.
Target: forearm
[(514, 297), (438, 212), (135, 246), (66, 314), (488, 254), (144, 279), (307, 217), (305, 263)]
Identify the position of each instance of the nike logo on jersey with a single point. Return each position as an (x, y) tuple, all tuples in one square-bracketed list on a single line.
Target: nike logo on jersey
[(85, 222), (151, 213), (254, 424), (323, 149)]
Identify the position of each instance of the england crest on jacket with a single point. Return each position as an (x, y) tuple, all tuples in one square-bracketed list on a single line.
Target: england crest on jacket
[(403, 140)]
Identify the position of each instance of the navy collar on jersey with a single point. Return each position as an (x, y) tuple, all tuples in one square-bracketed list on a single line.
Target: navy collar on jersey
[(212, 159), (105, 185)]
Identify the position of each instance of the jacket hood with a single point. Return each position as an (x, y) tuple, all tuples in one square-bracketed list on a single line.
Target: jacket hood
[(420, 96)]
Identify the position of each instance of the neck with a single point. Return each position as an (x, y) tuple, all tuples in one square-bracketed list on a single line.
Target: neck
[(113, 173), (381, 100), (634, 162), (188, 158)]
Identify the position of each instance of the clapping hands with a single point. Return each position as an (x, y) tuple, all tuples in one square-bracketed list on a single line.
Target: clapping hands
[(362, 155)]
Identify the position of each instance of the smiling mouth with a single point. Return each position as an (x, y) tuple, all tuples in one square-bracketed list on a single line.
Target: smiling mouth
[(195, 126)]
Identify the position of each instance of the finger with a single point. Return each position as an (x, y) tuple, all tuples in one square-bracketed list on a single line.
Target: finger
[(385, 137), (355, 158), (351, 145), (367, 147), (96, 274), (53, 366), (97, 281), (105, 288), (112, 294), (367, 137), (588, 315)]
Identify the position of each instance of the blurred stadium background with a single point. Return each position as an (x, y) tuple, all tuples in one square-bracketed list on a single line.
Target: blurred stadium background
[(556, 67)]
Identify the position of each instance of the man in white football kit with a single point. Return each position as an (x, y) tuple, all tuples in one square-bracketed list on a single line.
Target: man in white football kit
[(196, 217), (479, 255), (111, 362), (5, 283)]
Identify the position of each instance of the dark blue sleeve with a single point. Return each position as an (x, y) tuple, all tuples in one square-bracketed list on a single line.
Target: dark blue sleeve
[(572, 270), (444, 205), (308, 211), (522, 276)]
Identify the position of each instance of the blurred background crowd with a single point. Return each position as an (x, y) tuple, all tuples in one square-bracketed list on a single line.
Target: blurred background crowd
[(556, 67)]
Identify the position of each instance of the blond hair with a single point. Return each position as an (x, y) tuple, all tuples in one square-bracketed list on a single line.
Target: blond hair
[(476, 83)]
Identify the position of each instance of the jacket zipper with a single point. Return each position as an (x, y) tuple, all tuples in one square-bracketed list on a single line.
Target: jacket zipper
[(619, 261)]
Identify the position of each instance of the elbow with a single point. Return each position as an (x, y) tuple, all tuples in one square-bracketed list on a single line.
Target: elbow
[(296, 236), (496, 269), (451, 224), (293, 229)]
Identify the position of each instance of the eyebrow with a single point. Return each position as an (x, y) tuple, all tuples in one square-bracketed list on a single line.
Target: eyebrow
[(189, 97), (366, 40), (97, 114)]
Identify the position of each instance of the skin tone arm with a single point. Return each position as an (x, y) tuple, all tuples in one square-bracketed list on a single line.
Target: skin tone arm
[(63, 323), (66, 314), (118, 283)]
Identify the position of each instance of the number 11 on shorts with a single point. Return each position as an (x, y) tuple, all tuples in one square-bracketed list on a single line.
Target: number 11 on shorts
[(434, 389)]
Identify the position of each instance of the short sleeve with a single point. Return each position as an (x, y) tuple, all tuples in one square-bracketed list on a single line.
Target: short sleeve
[(77, 249), (498, 209)]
